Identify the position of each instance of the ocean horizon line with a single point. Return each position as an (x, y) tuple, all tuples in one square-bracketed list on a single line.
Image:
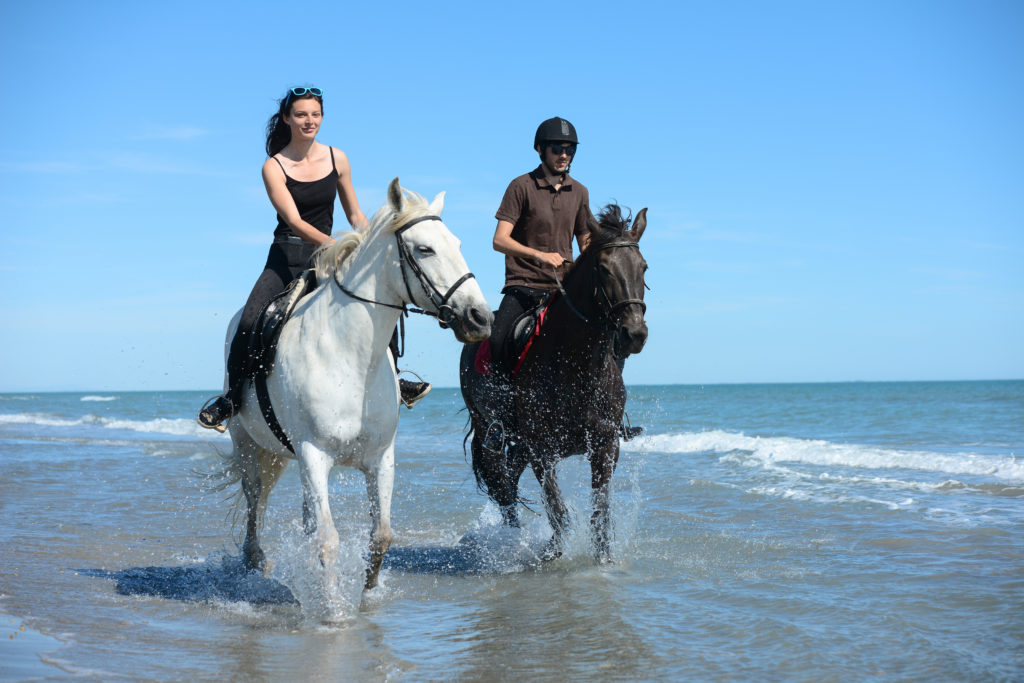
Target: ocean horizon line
[(214, 392)]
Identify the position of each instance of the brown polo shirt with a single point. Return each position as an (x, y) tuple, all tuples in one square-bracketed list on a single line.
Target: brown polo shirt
[(545, 219)]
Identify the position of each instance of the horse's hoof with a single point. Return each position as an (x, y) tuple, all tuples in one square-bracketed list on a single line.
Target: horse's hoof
[(510, 517), (256, 562), (552, 551)]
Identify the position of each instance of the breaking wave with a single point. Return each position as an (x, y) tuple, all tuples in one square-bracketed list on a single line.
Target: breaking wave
[(167, 426), (769, 450)]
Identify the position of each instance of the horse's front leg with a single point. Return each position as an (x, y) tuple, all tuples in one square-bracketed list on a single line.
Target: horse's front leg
[(379, 486), (499, 472), (558, 513), (602, 465), (314, 468)]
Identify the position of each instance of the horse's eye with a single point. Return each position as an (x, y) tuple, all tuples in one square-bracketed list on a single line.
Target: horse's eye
[(424, 250)]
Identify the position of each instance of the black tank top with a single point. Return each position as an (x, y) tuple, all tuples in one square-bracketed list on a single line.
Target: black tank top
[(314, 200)]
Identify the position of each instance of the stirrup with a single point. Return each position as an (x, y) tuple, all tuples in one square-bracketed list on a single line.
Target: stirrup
[(410, 393), (494, 439), (627, 430), (209, 421)]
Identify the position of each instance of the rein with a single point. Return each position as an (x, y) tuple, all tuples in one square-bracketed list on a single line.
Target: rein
[(445, 314), (612, 308)]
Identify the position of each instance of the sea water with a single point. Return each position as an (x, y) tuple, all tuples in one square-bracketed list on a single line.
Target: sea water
[(768, 532)]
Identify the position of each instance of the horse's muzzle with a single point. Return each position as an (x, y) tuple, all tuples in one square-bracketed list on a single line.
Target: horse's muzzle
[(474, 324), (630, 338)]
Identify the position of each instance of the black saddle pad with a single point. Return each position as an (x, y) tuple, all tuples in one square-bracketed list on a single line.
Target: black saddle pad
[(266, 330), (521, 331)]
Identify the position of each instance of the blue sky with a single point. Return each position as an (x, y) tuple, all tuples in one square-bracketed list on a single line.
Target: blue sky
[(835, 190)]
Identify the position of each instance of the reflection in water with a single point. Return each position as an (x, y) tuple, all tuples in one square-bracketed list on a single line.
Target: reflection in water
[(573, 621)]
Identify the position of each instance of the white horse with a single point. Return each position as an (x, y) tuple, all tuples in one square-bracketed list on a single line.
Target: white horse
[(333, 387)]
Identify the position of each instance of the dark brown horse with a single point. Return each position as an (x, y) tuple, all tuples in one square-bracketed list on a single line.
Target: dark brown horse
[(567, 397)]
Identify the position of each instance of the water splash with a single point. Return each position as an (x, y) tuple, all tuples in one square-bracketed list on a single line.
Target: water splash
[(328, 594)]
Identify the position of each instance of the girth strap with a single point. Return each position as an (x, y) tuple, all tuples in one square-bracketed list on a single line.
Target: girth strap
[(267, 410)]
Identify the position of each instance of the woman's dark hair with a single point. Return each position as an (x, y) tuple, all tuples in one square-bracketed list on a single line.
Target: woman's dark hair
[(278, 132)]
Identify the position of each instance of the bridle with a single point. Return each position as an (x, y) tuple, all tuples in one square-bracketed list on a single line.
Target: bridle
[(612, 308), (445, 314)]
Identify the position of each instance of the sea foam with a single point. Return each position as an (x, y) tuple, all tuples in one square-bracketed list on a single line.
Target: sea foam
[(167, 426), (770, 450)]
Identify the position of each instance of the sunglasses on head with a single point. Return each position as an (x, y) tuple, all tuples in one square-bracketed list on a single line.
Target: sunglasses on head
[(559, 150), (299, 92)]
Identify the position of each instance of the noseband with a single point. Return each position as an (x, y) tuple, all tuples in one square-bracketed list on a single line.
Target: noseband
[(612, 308), (445, 314)]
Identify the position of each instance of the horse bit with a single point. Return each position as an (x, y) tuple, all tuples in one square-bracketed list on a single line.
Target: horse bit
[(445, 314)]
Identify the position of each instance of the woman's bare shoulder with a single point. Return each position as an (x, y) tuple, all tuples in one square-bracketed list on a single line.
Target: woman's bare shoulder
[(272, 170)]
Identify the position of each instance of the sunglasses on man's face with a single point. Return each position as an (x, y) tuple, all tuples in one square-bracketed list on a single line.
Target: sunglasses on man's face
[(559, 150)]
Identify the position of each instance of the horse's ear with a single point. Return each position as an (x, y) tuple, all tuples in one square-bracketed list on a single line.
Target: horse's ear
[(437, 205), (395, 197), (639, 224)]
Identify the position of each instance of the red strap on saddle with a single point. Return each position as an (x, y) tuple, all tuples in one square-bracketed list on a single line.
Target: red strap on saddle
[(482, 359), (529, 342)]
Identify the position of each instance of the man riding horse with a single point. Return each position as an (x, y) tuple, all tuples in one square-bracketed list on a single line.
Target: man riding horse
[(539, 215)]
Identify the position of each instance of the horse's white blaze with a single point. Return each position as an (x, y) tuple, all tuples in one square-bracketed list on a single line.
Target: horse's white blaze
[(333, 387)]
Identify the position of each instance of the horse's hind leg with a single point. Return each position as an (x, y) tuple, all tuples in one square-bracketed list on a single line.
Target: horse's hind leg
[(260, 473), (558, 513), (246, 456), (379, 486)]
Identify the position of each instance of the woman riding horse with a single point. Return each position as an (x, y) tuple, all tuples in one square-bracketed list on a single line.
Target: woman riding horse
[(302, 177), (332, 383)]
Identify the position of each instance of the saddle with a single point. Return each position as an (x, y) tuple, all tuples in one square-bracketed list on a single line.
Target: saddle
[(263, 337), (266, 329), (520, 337)]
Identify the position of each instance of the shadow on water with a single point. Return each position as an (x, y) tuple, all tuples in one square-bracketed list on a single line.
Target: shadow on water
[(495, 550), (225, 579), (210, 581)]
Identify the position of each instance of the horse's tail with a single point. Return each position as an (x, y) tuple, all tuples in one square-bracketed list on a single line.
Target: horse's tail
[(231, 471), (223, 477)]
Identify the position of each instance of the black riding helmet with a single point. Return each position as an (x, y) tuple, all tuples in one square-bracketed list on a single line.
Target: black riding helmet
[(555, 129)]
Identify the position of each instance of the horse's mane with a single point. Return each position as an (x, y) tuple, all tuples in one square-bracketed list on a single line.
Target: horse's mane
[(336, 257), (609, 224)]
